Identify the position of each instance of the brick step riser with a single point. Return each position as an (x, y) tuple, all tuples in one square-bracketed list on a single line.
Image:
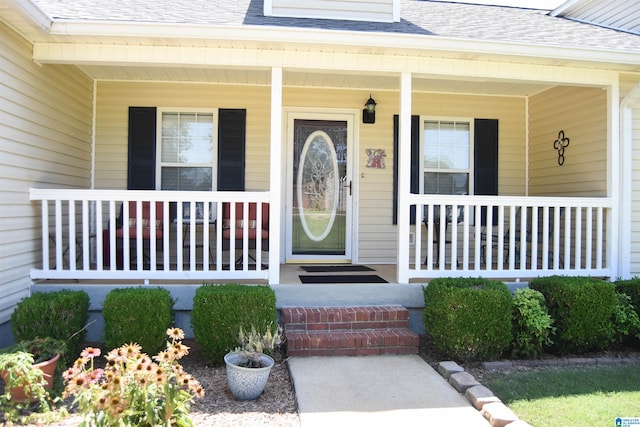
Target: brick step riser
[(345, 318), (348, 331), (352, 343), (351, 326)]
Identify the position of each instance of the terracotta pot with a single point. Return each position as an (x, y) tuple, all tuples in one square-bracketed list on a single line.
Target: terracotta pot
[(48, 368)]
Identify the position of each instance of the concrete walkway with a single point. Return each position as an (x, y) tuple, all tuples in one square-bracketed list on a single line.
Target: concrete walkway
[(377, 390)]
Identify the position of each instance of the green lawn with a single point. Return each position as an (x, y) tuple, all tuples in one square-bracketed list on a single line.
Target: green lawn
[(592, 396)]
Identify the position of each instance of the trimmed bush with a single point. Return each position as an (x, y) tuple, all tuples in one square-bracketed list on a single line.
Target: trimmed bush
[(468, 318), (137, 315), (631, 288), (583, 309), (532, 324), (62, 315), (625, 320), (220, 310)]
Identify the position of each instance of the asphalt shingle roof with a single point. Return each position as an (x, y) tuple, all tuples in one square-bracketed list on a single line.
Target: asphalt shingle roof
[(420, 17)]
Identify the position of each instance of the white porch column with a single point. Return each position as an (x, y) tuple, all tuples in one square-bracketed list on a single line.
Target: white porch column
[(404, 174), (275, 176), (614, 256), (626, 180)]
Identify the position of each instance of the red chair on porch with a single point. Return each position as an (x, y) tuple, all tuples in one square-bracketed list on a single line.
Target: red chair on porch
[(132, 224), (235, 229)]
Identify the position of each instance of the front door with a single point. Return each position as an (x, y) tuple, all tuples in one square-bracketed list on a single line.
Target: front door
[(319, 187)]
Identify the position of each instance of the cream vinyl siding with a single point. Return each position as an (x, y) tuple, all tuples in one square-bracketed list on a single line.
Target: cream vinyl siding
[(112, 114), (353, 10), (582, 114), (45, 141)]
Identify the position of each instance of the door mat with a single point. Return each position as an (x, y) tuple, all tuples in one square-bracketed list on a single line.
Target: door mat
[(334, 268), (342, 278)]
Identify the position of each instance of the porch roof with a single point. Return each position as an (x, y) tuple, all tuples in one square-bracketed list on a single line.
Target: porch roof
[(426, 18), (429, 21)]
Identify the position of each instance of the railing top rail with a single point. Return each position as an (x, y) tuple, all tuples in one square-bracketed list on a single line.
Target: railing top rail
[(534, 201), (148, 195)]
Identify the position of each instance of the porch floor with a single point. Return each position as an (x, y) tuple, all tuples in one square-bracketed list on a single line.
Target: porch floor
[(289, 275)]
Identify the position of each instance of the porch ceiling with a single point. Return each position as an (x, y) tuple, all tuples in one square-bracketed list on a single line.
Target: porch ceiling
[(310, 79)]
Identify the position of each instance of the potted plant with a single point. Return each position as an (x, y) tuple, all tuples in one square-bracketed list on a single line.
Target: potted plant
[(249, 365), (28, 368)]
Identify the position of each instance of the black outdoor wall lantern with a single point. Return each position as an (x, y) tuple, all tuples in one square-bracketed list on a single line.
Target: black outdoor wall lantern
[(369, 112)]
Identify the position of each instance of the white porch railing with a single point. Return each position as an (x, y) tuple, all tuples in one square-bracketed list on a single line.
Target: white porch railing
[(489, 236), (510, 237), (182, 238)]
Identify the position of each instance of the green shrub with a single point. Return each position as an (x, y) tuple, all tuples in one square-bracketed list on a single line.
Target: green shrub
[(631, 288), (532, 324), (583, 309), (625, 319), (62, 315), (140, 315), (220, 310), (468, 318)]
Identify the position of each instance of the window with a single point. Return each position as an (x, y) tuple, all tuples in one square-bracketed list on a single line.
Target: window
[(484, 164), (187, 144), (446, 157)]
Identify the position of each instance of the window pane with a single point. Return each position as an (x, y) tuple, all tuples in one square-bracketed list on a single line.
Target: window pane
[(461, 158), (187, 138), (186, 178), (446, 145), (170, 124), (170, 150), (446, 183)]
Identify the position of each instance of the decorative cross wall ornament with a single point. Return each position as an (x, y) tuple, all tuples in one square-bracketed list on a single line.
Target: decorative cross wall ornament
[(560, 144)]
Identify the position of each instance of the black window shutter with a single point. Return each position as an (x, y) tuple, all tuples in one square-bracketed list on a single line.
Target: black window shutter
[(141, 167), (485, 176), (231, 149), (415, 163)]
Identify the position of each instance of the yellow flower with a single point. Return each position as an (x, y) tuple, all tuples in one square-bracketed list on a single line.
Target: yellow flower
[(90, 352), (131, 350), (164, 356), (175, 333)]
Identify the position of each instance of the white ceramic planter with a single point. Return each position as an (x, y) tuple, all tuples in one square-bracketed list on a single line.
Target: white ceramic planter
[(247, 383)]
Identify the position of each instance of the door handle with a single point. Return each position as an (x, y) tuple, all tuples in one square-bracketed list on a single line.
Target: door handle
[(349, 185)]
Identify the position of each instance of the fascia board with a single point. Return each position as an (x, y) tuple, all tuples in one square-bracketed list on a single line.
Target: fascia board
[(560, 10), (33, 13), (270, 34)]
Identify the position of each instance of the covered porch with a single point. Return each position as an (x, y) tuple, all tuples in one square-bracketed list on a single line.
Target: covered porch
[(547, 210)]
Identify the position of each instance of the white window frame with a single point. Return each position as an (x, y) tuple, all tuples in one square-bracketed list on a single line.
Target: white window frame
[(470, 170), (214, 150)]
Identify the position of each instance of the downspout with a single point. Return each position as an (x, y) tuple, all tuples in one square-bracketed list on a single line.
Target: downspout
[(526, 146), (626, 180), (92, 173)]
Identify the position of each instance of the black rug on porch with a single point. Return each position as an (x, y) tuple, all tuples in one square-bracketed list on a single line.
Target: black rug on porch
[(341, 278), (334, 268)]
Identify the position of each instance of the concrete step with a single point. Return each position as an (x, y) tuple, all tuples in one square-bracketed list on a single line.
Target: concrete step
[(348, 331)]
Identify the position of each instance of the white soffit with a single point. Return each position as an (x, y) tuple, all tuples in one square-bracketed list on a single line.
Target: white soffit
[(304, 79)]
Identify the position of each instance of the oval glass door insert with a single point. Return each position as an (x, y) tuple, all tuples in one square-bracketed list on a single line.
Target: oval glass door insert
[(318, 186)]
